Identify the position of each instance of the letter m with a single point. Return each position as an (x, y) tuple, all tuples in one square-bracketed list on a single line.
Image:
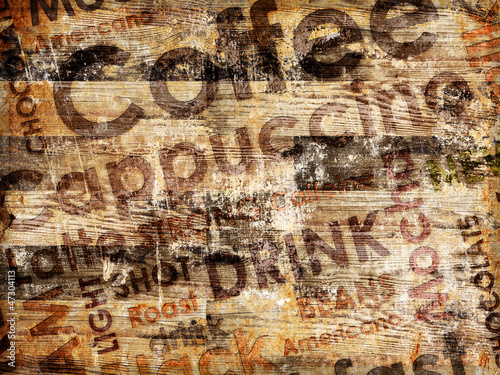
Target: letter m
[(307, 342), (59, 312), (439, 300), (50, 11)]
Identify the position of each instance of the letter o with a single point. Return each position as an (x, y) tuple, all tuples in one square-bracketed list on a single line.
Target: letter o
[(32, 104), (157, 344), (306, 47), (424, 250), (489, 320), (171, 270), (14, 90), (155, 311), (492, 306), (89, 8), (162, 69), (394, 324), (478, 279)]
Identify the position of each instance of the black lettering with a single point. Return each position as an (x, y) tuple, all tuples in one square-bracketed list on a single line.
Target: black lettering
[(395, 369), (454, 352), (85, 181), (231, 42), (89, 8), (24, 180), (103, 246), (342, 365), (221, 156), (200, 67), (262, 35), (136, 281), (456, 95), (122, 195), (89, 64), (117, 282), (40, 140), (213, 325), (51, 11), (57, 268), (306, 48), (362, 237), (159, 278), (489, 305), (312, 240), (268, 265), (83, 242), (423, 360), (381, 27), (211, 262)]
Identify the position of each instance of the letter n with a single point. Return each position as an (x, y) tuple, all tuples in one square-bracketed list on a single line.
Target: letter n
[(439, 300), (312, 240)]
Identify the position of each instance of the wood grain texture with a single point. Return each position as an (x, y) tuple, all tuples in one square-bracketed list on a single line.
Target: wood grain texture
[(240, 187)]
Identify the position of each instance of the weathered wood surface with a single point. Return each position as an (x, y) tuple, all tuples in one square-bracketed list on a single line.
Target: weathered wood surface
[(232, 187)]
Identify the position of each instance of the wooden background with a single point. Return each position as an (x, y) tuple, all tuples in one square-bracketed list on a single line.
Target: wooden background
[(300, 187)]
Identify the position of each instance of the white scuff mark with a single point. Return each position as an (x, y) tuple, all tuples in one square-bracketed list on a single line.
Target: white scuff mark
[(107, 269), (258, 293), (282, 301), (121, 278)]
